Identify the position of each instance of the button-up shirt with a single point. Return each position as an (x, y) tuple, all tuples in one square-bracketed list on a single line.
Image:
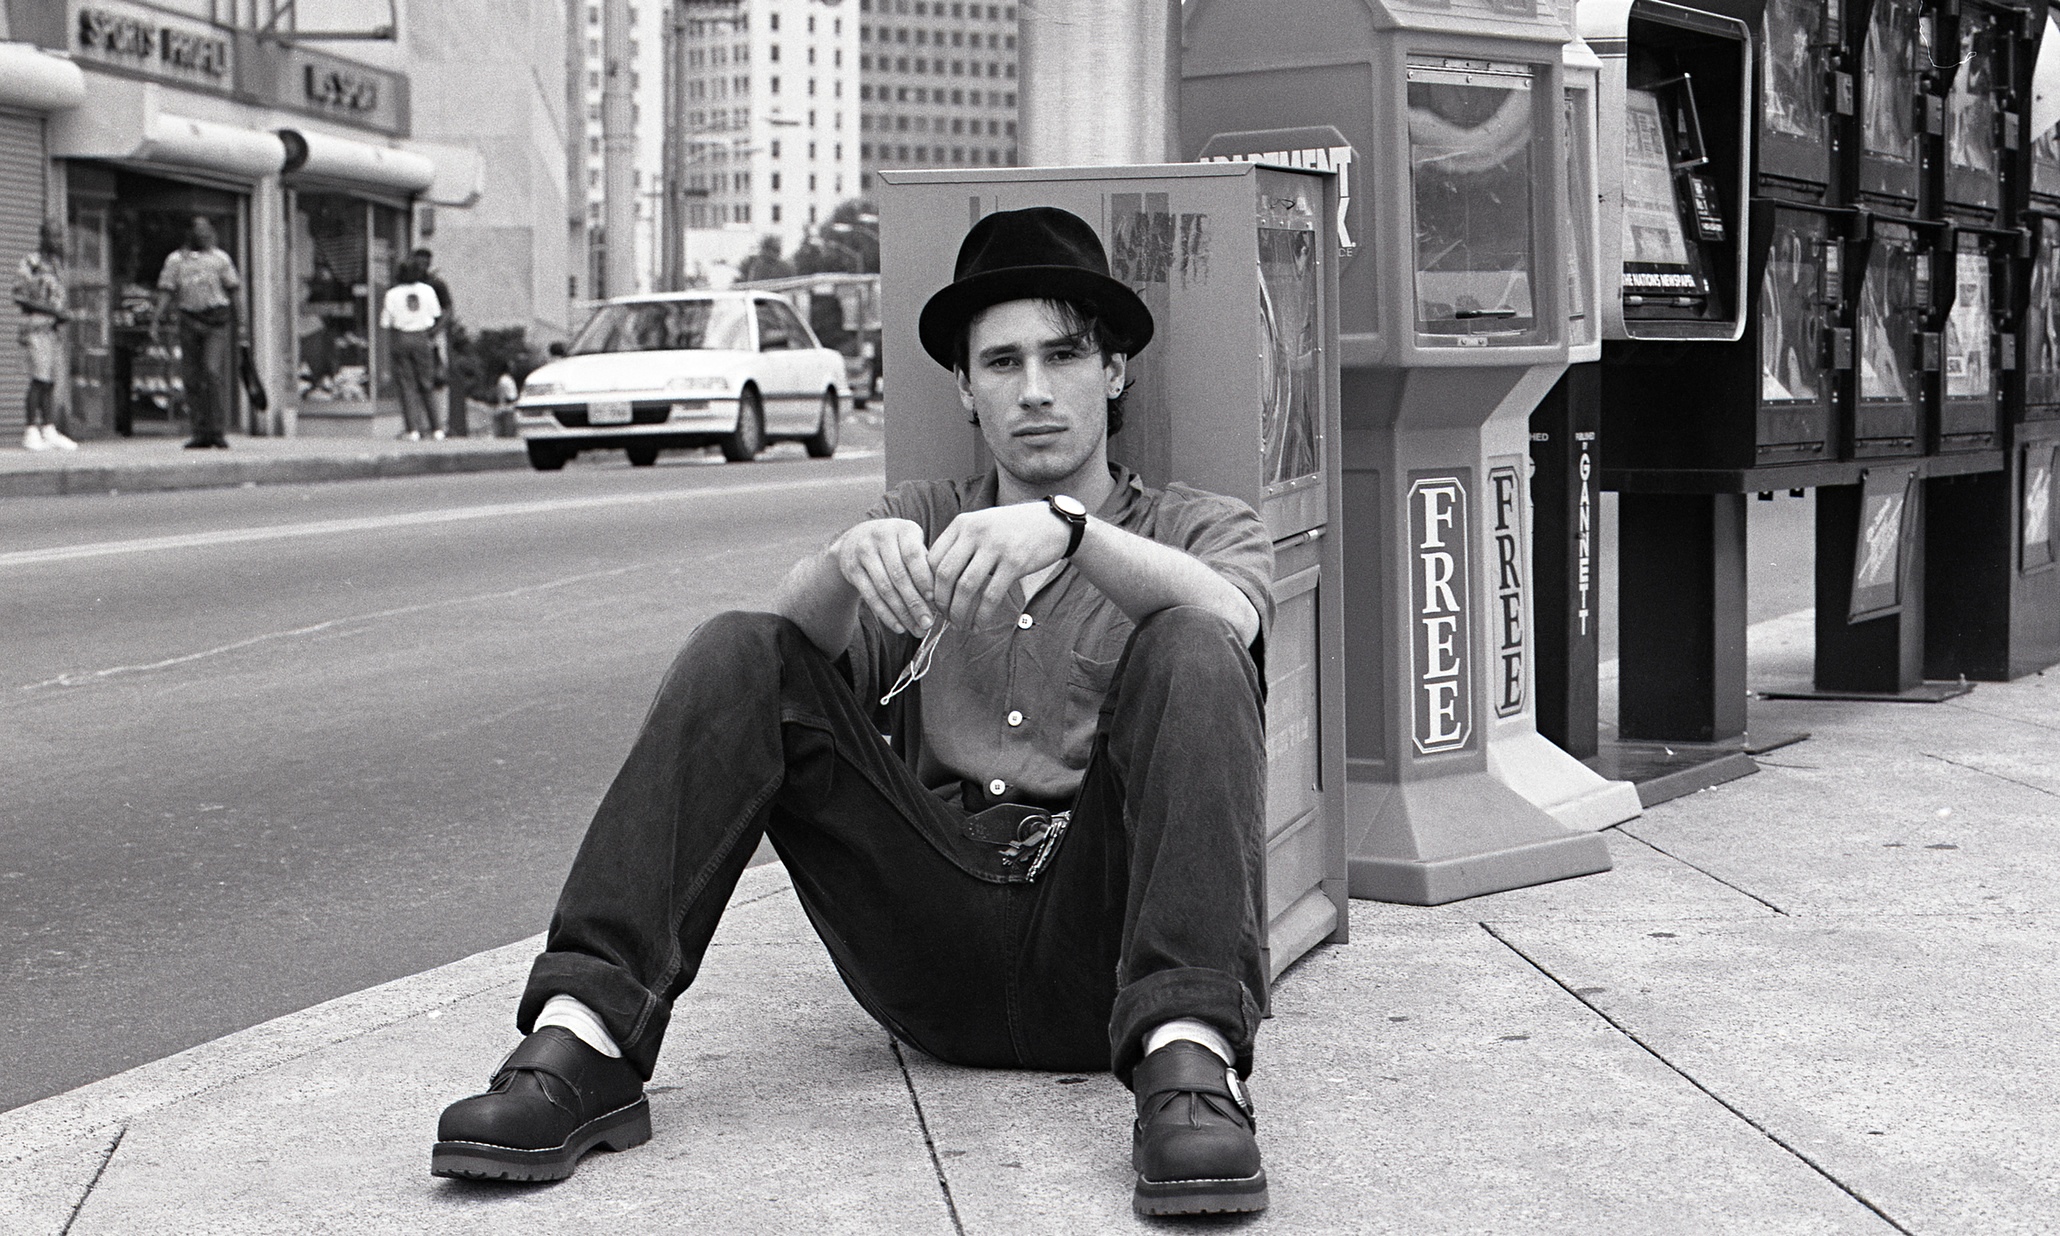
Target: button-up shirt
[(199, 279), (1016, 706)]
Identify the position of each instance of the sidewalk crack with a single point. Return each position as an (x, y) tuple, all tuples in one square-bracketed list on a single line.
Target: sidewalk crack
[(1703, 871), (94, 1183), (929, 1143), (1989, 772), (1691, 1079)]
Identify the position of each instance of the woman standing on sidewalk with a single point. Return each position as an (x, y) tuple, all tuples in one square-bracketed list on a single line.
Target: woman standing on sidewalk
[(410, 311)]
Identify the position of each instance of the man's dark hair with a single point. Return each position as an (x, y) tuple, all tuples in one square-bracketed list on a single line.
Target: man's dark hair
[(423, 256), (1080, 321)]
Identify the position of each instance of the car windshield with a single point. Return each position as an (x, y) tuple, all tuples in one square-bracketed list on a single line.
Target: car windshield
[(661, 326)]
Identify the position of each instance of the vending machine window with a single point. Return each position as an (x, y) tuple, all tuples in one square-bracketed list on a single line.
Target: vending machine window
[(1895, 294), (2042, 327), (1470, 127), (1890, 61), (1584, 325), (1967, 416), (1973, 154), (1671, 210), (1797, 291), (1797, 104), (2045, 164), (1289, 327)]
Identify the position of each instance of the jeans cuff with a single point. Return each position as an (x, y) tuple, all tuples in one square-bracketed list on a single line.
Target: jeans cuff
[(1207, 995), (635, 1018)]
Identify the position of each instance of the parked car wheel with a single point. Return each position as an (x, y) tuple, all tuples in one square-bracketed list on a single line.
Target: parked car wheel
[(545, 457), (749, 439), (824, 442), (642, 455)]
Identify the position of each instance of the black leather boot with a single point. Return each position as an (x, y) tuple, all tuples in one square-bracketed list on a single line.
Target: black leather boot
[(552, 1100), (1192, 1145)]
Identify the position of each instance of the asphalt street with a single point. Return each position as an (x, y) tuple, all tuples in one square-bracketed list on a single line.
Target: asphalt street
[(272, 745), (268, 746)]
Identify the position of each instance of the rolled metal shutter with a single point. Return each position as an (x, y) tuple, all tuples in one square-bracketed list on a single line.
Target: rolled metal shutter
[(22, 172)]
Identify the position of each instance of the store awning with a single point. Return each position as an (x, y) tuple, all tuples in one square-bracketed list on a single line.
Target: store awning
[(341, 160), (247, 154), (34, 80)]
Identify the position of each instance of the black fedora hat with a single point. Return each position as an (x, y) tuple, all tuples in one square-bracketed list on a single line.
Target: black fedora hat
[(1042, 253)]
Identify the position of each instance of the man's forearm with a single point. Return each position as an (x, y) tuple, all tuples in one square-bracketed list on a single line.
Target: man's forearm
[(1142, 577), (816, 597)]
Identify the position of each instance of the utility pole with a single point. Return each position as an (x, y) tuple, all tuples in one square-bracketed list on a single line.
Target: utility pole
[(618, 154), (1100, 82), (578, 261), (672, 214)]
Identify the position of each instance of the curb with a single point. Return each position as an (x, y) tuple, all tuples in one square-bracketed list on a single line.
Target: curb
[(216, 473), (66, 1119)]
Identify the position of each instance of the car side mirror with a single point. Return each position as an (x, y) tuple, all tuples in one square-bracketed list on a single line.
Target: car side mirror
[(556, 348)]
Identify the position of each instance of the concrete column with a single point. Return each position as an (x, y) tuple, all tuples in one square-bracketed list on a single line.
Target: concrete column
[(272, 301), (1098, 82)]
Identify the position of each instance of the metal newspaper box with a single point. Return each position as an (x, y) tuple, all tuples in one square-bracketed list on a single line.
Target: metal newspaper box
[(1454, 326), (1237, 394)]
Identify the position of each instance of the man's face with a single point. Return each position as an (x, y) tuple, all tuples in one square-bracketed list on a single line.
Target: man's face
[(202, 235), (1041, 393), (53, 240)]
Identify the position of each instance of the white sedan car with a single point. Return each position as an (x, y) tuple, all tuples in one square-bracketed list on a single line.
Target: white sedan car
[(684, 369)]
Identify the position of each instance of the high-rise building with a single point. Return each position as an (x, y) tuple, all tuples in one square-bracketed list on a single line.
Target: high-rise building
[(647, 20), (937, 85), (769, 104)]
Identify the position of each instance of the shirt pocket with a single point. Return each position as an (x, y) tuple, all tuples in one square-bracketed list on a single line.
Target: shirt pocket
[(1087, 683)]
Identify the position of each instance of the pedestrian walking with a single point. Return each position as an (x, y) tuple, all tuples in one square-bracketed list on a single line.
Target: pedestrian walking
[(39, 294), (200, 281), (410, 313)]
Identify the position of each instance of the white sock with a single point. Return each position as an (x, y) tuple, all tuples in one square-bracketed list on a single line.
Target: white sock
[(1193, 1031), (568, 1013)]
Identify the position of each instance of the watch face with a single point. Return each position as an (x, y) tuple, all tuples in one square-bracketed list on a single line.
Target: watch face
[(1070, 506)]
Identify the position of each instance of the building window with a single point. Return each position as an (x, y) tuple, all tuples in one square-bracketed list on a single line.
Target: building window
[(811, 152), (811, 182), (775, 212), (773, 53), (837, 58), (865, 65), (865, 180), (901, 123), (776, 182), (776, 148), (839, 148), (811, 51), (772, 83), (774, 23), (811, 87), (865, 151)]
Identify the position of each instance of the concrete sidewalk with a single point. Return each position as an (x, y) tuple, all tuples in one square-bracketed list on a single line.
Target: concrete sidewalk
[(131, 465), (1818, 999)]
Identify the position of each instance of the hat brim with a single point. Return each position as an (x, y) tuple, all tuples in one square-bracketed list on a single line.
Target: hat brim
[(1128, 322)]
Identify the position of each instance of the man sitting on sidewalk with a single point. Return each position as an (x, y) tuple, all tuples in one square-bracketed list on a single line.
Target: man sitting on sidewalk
[(1005, 734)]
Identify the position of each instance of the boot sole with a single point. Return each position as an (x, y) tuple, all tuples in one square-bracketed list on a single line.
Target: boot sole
[(1200, 1197), (617, 1130)]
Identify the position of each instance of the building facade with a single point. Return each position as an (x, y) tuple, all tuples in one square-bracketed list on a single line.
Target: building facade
[(769, 105), (937, 85), (127, 119)]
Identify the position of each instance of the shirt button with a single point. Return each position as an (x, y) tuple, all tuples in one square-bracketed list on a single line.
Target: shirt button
[(997, 787), (1023, 622), (1015, 718)]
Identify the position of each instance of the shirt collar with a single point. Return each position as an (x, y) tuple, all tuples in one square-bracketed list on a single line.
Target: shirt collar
[(1117, 508)]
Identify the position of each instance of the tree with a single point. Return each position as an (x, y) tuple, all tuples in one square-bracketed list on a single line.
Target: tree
[(766, 263), (849, 240)]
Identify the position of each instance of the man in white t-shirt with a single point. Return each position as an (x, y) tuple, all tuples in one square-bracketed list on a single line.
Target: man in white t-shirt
[(410, 313)]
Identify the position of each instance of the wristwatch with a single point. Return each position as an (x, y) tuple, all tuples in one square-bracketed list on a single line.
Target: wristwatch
[(1070, 510)]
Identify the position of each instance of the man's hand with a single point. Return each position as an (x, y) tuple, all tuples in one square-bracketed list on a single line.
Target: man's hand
[(983, 553), (887, 562)]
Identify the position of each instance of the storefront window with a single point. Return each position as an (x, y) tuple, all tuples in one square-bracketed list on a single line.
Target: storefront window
[(1470, 130), (343, 250)]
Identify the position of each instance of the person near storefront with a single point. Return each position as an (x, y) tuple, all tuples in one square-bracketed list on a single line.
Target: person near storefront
[(409, 314), (39, 294), (1006, 734), (200, 282)]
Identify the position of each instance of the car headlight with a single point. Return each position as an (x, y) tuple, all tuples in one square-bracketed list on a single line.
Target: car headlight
[(705, 383), (540, 388)]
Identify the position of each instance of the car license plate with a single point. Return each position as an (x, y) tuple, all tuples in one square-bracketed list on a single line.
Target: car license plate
[(611, 412)]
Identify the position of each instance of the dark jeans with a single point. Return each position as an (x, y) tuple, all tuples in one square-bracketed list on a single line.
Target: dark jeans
[(414, 371), (1151, 910), (204, 370)]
